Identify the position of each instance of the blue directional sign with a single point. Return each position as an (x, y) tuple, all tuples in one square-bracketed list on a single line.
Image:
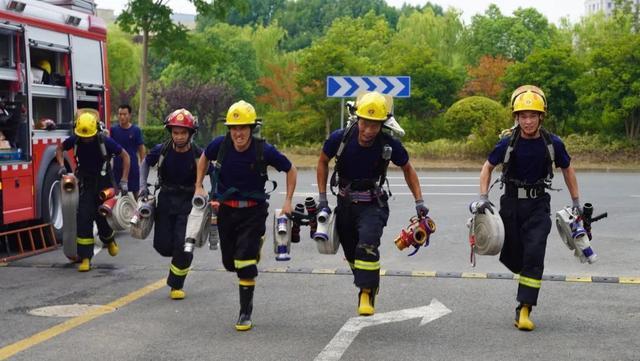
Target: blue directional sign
[(351, 86)]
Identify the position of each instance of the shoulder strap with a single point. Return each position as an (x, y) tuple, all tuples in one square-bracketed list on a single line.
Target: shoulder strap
[(550, 151), (337, 169), (513, 141), (261, 166), (106, 164), (166, 146)]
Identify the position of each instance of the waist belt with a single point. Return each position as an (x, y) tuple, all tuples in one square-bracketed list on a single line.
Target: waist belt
[(357, 196), (172, 188), (240, 204), (532, 192)]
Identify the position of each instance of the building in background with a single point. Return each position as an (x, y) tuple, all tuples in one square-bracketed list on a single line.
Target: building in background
[(606, 6)]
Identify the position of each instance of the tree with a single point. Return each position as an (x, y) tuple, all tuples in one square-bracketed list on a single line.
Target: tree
[(124, 74), (223, 53), (486, 78), (478, 117), (339, 53), (554, 71), (207, 101), (612, 86), (513, 38), (153, 18), (281, 92)]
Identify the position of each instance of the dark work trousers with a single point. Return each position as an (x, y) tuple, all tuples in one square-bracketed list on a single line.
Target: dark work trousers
[(241, 231), (172, 212), (360, 227), (90, 188), (527, 224)]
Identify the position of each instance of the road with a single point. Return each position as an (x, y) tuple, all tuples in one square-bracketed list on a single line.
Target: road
[(586, 312)]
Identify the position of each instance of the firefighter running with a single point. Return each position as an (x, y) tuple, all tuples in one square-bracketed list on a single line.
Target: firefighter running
[(177, 163), (239, 185), (362, 209), (527, 155), (93, 152)]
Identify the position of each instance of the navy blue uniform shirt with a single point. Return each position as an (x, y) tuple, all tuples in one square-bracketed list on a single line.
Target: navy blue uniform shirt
[(238, 168), (88, 154), (529, 158), (363, 162), (130, 139), (178, 169)]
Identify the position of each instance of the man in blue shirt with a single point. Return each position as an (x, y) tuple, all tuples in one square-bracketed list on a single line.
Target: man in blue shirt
[(93, 152), (239, 186), (362, 210), (129, 136), (176, 177), (527, 156)]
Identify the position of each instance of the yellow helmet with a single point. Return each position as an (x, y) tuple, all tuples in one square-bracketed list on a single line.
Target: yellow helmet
[(87, 121), (372, 106), (529, 101), (44, 65), (241, 113), (528, 97)]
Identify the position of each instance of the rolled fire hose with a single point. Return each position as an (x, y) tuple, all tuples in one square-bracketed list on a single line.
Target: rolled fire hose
[(142, 221), (119, 213), (198, 220), (69, 198)]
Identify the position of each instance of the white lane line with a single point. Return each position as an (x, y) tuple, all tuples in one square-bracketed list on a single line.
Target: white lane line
[(635, 196), (433, 178), (424, 185), (350, 330), (313, 194)]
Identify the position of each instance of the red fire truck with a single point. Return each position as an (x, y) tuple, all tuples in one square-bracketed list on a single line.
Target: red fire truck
[(52, 62)]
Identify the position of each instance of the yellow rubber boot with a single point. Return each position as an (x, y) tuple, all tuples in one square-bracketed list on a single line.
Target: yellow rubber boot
[(177, 294), (85, 265), (523, 322), (366, 302), (113, 249)]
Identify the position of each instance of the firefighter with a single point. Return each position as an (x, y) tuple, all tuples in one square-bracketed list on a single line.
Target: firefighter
[(528, 154), (177, 163), (362, 210), (129, 136), (93, 152), (239, 185)]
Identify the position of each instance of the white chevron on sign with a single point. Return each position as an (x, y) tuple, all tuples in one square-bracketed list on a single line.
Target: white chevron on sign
[(362, 85), (344, 86), (380, 86), (397, 86)]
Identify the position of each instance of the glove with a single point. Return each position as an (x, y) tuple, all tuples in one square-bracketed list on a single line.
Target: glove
[(124, 187), (482, 205), (577, 210), (62, 171), (421, 209), (322, 200), (143, 192)]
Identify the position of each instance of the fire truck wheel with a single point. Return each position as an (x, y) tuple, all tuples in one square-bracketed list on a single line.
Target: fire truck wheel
[(51, 201)]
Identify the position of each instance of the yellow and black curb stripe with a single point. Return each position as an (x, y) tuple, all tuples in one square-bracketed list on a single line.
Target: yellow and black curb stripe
[(634, 280), (467, 275)]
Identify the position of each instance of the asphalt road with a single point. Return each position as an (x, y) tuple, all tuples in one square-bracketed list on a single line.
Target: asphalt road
[(586, 312)]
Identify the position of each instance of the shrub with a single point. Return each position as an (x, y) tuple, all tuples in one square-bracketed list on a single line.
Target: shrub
[(153, 135)]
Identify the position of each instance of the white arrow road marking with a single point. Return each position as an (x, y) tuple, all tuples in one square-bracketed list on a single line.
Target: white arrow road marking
[(351, 329)]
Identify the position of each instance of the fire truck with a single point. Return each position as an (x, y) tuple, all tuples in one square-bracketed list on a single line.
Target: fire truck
[(52, 62)]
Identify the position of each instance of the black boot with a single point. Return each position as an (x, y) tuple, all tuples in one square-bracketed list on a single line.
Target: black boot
[(246, 307)]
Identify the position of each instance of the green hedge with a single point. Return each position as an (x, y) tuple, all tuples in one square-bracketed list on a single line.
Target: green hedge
[(153, 135)]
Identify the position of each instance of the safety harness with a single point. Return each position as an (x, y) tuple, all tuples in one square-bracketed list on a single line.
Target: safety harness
[(355, 190), (166, 146), (529, 190), (259, 166), (106, 158)]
